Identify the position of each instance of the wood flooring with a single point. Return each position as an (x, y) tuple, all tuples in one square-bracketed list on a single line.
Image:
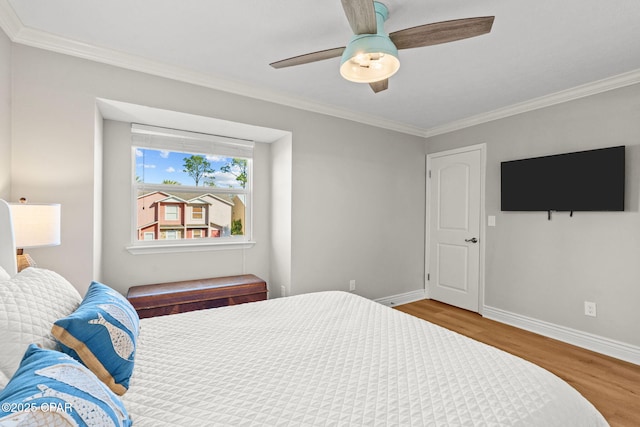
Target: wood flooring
[(611, 385)]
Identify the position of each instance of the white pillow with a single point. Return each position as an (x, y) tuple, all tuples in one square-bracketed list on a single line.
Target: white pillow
[(4, 276), (29, 304)]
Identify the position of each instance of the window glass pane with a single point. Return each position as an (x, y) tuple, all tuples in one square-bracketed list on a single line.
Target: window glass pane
[(159, 214), (179, 168), (183, 195)]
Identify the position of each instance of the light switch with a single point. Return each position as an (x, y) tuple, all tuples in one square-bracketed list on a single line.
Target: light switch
[(491, 220)]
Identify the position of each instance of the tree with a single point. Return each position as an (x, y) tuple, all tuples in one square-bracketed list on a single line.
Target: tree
[(236, 227), (170, 182), (197, 167), (237, 168)]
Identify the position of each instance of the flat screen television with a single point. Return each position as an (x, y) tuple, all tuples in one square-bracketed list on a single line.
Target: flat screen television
[(590, 180)]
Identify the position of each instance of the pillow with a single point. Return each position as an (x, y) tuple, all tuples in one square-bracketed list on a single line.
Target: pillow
[(50, 388), (102, 334), (29, 304), (4, 276)]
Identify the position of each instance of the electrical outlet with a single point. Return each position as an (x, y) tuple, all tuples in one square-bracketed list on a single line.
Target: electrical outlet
[(352, 285), (590, 308)]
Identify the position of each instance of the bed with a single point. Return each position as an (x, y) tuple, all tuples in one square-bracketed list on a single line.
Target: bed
[(326, 358)]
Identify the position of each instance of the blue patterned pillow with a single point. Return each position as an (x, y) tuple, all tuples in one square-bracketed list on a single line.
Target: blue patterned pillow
[(50, 388), (102, 334)]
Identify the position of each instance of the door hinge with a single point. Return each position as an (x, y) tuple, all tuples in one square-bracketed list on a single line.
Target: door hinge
[(428, 277), (429, 173)]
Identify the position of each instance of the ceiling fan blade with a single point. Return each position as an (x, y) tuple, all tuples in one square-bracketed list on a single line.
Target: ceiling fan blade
[(361, 15), (379, 86), (441, 32), (309, 57)]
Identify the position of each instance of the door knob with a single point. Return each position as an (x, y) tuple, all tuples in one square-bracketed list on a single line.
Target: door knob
[(472, 240)]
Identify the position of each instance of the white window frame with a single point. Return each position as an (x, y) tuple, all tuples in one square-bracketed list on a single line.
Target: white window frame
[(156, 138)]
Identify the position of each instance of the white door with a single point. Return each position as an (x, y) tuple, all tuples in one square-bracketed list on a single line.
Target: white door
[(453, 246)]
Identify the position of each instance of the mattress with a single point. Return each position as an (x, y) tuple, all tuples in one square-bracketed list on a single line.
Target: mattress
[(334, 358)]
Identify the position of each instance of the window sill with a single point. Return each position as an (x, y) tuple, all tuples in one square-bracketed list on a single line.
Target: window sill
[(144, 249)]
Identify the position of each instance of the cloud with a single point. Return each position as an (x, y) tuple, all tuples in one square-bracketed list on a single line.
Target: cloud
[(170, 169), (146, 166), (164, 154), (138, 152), (213, 158), (225, 180)]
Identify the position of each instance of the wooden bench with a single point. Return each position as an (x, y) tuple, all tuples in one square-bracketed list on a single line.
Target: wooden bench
[(178, 297)]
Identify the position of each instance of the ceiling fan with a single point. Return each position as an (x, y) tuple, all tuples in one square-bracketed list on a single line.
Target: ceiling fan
[(372, 55)]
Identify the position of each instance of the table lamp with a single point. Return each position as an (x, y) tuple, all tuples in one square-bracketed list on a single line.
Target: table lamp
[(35, 225)]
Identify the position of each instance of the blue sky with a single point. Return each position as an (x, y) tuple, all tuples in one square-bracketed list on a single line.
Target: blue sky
[(154, 166)]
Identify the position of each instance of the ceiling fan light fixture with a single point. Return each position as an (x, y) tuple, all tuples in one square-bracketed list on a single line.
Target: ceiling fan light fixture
[(369, 58)]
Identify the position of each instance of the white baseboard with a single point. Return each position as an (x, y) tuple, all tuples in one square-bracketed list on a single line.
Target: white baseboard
[(399, 299), (613, 348)]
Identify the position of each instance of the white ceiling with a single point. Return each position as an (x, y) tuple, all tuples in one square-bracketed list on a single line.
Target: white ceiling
[(539, 51)]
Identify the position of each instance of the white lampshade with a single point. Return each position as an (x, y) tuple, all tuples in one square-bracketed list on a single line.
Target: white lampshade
[(35, 225)]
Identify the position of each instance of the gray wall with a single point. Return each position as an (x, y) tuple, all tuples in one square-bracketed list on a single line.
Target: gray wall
[(5, 116), (360, 192), (352, 216), (281, 189), (547, 269)]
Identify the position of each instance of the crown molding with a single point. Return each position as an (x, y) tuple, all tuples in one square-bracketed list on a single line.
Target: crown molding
[(9, 21), (593, 88)]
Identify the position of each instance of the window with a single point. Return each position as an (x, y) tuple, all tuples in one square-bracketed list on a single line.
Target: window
[(171, 234), (171, 212), (196, 212), (190, 186)]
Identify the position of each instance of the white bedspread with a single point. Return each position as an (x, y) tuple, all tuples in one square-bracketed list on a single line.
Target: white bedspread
[(333, 358)]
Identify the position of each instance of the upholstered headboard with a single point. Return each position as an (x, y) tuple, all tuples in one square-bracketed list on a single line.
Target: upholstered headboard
[(7, 241)]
